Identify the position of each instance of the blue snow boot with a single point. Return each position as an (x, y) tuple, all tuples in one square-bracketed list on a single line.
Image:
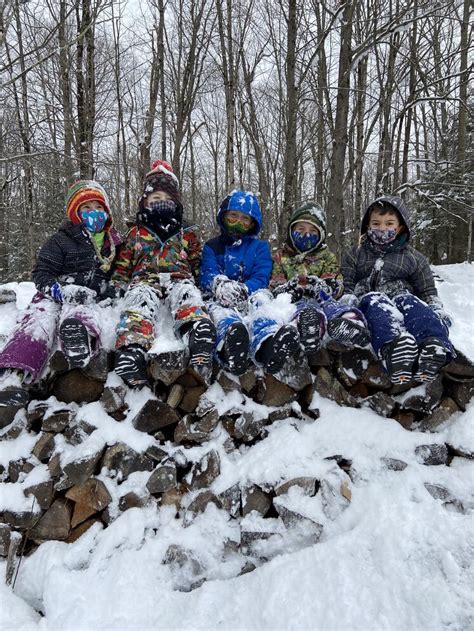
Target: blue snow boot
[(277, 349), (235, 351)]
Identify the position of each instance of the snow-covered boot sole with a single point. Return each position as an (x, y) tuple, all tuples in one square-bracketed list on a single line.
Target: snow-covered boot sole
[(349, 332), (130, 365), (236, 348), (399, 357), (202, 340), (284, 344), (14, 397), (432, 358), (311, 328), (76, 342)]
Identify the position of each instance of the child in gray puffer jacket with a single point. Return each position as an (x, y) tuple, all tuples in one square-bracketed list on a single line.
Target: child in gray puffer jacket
[(392, 284)]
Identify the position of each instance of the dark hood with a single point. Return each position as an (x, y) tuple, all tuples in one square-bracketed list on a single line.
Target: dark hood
[(397, 203)]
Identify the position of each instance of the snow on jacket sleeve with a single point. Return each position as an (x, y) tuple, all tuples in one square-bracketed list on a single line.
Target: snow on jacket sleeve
[(278, 272), (349, 269), (124, 260), (49, 264), (261, 271), (194, 253), (422, 279), (209, 268)]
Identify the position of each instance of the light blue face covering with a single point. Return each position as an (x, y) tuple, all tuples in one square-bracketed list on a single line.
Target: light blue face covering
[(94, 220), (304, 241)]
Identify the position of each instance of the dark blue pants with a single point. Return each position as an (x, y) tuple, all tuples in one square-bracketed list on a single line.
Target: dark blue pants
[(387, 319)]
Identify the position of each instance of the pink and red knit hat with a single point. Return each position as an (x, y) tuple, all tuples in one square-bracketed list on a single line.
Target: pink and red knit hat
[(161, 178)]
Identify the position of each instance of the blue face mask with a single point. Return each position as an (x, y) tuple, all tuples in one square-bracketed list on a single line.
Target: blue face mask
[(381, 237), (304, 241), (94, 220)]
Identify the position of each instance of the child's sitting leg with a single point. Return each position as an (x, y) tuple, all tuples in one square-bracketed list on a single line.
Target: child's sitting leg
[(135, 333), (391, 342), (25, 354), (272, 344), (79, 328), (430, 333), (193, 324), (346, 325), (233, 341), (311, 323)]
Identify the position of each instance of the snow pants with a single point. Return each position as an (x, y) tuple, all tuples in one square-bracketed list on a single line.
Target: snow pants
[(388, 318), (33, 338), (142, 303), (264, 318), (259, 320)]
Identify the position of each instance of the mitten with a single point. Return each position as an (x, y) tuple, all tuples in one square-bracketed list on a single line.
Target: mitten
[(112, 291), (77, 295), (313, 285), (230, 293), (291, 287), (335, 287), (350, 300), (56, 293), (437, 306)]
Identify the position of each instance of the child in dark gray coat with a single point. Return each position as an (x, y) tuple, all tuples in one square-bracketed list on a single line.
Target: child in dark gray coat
[(393, 286)]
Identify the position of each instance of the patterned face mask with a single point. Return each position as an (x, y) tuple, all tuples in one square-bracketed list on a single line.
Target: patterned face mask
[(381, 237), (304, 242), (161, 217), (94, 220), (235, 226)]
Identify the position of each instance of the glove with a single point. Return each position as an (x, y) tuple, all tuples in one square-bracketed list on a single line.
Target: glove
[(437, 307), (77, 295), (112, 291), (230, 293), (291, 287), (393, 288), (350, 300), (56, 293), (313, 285), (335, 287)]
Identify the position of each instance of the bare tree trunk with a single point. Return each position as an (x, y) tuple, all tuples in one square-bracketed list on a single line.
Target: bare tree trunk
[(229, 73), (85, 78), (121, 137), (65, 83), (156, 83), (24, 126), (336, 193), (289, 172)]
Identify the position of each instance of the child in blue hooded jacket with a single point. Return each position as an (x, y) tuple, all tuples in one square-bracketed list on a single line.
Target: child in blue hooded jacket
[(235, 272)]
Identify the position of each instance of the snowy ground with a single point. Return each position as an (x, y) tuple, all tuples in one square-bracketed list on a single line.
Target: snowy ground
[(394, 559)]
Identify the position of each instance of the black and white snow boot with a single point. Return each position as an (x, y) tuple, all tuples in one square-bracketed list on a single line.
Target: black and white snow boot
[(432, 358), (349, 332), (276, 350), (14, 396), (76, 342), (130, 365), (235, 351), (399, 358), (202, 340), (311, 327)]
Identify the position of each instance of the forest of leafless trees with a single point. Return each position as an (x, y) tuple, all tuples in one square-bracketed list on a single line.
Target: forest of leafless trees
[(294, 99)]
